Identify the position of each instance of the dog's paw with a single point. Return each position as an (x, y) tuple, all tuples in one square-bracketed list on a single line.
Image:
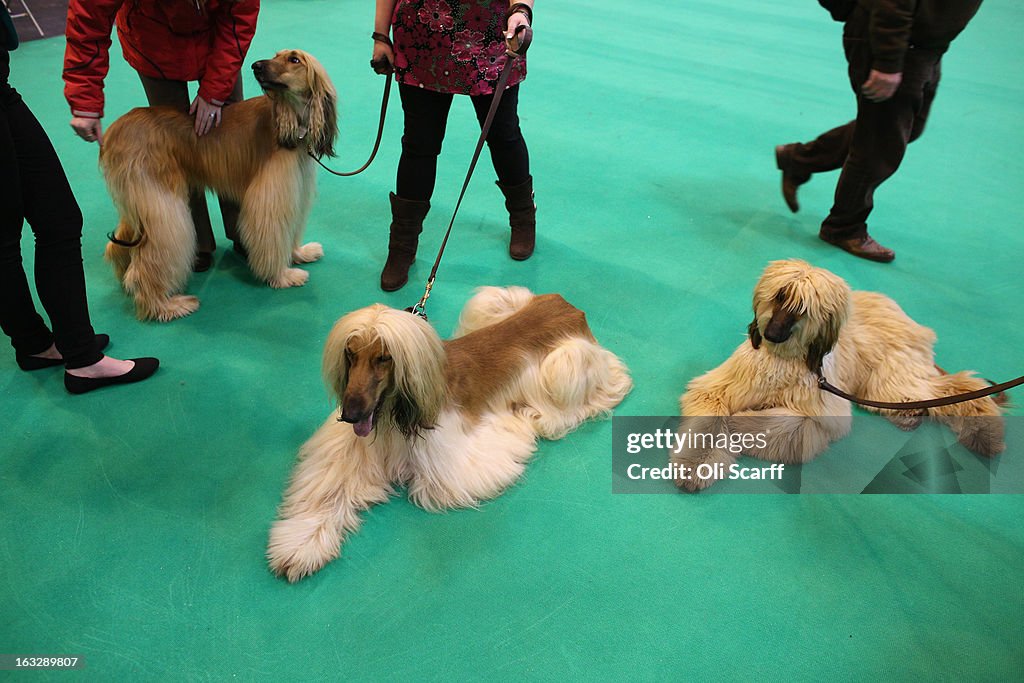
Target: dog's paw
[(307, 253), (698, 469), (983, 435), (300, 547), (693, 483), (289, 277), (906, 420), (171, 308)]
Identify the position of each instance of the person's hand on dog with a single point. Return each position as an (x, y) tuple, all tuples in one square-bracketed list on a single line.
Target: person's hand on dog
[(89, 129), (207, 115), (881, 86)]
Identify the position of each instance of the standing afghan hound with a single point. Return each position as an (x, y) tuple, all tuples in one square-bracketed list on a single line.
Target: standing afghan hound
[(806, 321), (259, 156), (454, 421)]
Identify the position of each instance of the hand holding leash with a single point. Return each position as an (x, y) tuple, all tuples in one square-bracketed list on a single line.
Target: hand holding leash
[(383, 59), (518, 39), (381, 63)]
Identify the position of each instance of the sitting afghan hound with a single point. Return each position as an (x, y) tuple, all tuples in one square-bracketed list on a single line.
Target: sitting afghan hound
[(151, 158), (806, 322), (454, 421)]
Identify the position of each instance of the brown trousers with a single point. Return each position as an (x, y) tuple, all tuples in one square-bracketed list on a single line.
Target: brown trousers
[(870, 148), (175, 94)]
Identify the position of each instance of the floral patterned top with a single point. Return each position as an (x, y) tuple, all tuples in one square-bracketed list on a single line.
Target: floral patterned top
[(452, 47)]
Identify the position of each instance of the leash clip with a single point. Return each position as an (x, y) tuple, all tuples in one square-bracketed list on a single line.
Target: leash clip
[(420, 308)]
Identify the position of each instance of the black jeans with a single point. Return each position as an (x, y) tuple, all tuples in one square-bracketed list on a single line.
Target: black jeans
[(34, 188), (870, 148), (426, 115)]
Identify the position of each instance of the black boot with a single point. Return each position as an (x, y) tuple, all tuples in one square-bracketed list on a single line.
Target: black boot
[(522, 218), (406, 225)]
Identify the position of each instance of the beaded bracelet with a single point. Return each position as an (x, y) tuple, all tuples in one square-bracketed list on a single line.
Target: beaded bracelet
[(523, 8)]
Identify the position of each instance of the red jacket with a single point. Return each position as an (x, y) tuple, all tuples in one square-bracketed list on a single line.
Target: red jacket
[(178, 40)]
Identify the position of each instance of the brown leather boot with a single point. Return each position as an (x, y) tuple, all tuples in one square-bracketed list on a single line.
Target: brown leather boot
[(522, 218), (406, 225)]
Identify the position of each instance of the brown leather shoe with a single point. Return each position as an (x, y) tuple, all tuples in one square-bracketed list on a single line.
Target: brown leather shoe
[(864, 247), (790, 179)]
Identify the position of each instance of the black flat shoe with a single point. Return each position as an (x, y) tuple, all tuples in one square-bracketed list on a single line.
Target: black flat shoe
[(30, 363), (144, 368)]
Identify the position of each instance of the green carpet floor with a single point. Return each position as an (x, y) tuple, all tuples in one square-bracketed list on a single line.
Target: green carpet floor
[(134, 520)]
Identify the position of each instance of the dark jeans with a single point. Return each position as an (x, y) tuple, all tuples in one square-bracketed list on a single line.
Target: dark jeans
[(34, 188), (870, 148), (175, 94), (426, 115)]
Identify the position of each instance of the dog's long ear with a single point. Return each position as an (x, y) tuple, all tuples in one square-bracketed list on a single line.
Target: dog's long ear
[(288, 125), (335, 361), (755, 334), (419, 371), (819, 347), (323, 109)]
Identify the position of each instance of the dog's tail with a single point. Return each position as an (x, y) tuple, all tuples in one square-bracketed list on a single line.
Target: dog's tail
[(491, 305), (159, 259)]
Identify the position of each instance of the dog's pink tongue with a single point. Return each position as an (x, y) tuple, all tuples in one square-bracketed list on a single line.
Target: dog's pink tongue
[(364, 427)]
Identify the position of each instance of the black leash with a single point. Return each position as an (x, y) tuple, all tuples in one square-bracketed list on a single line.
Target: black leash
[(919, 405), (381, 67), (517, 46)]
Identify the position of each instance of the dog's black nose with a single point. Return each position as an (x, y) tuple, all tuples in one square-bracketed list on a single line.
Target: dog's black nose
[(257, 67), (776, 335), (355, 409), (780, 327)]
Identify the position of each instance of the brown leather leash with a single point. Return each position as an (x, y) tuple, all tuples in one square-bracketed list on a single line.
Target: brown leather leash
[(382, 67), (920, 405), (517, 46)]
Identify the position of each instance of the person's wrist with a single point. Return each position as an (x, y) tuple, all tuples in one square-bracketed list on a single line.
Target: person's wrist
[(520, 8), (381, 38)]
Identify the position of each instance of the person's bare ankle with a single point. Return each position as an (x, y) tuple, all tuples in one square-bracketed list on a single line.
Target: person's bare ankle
[(106, 367)]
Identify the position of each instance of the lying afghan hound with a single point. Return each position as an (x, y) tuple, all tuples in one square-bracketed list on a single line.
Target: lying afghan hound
[(806, 321), (454, 421), (151, 157)]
